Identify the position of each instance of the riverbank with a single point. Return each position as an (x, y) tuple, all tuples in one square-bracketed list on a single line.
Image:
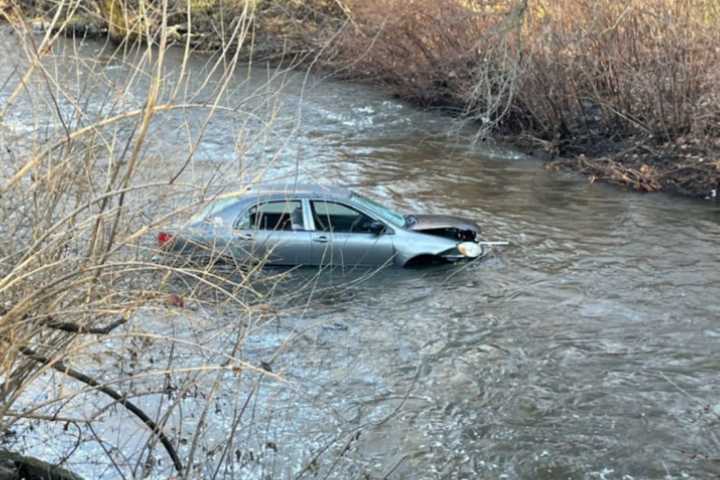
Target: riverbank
[(684, 167), (624, 94)]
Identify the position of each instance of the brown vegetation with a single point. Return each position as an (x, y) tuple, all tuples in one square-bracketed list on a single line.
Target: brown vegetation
[(635, 85)]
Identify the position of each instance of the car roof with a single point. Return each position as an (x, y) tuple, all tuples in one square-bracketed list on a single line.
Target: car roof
[(300, 190)]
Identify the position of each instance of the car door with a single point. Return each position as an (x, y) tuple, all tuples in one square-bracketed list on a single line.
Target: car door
[(343, 237), (274, 231)]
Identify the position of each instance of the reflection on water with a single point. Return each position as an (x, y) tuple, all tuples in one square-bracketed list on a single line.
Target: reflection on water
[(586, 349)]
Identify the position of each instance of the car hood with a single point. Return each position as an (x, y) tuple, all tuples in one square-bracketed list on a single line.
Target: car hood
[(434, 222)]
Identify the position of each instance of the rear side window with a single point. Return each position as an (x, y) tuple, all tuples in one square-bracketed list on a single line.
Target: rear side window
[(335, 217), (282, 215)]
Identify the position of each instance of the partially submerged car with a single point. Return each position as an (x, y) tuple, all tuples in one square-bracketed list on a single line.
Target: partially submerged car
[(320, 225)]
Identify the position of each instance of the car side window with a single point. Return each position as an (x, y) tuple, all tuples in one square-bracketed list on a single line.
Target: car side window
[(335, 217), (279, 215)]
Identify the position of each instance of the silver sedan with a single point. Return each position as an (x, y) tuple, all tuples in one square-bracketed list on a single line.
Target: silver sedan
[(319, 225)]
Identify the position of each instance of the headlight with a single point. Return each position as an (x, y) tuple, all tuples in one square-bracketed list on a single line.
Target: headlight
[(470, 249)]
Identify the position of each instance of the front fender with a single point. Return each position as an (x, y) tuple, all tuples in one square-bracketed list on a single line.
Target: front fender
[(451, 254), (423, 249)]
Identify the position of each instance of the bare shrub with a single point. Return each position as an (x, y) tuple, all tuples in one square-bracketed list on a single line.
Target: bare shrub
[(114, 362), (638, 67), (568, 72), (94, 328), (447, 53)]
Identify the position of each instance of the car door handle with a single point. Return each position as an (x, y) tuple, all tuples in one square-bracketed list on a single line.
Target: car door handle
[(245, 236), (320, 239)]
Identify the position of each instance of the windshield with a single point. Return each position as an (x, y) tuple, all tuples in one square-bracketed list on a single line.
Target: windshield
[(393, 218)]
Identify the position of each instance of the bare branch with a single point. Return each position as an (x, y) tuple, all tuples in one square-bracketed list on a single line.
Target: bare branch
[(81, 377), (75, 328)]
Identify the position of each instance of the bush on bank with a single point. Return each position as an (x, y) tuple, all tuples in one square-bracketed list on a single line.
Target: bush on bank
[(634, 85)]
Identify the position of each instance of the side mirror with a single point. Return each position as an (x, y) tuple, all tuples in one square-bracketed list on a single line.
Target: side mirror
[(376, 227)]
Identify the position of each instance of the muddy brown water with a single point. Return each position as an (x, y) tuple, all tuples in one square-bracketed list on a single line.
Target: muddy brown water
[(588, 348)]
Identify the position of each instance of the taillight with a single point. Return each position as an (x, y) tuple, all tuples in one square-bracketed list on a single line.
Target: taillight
[(164, 238)]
